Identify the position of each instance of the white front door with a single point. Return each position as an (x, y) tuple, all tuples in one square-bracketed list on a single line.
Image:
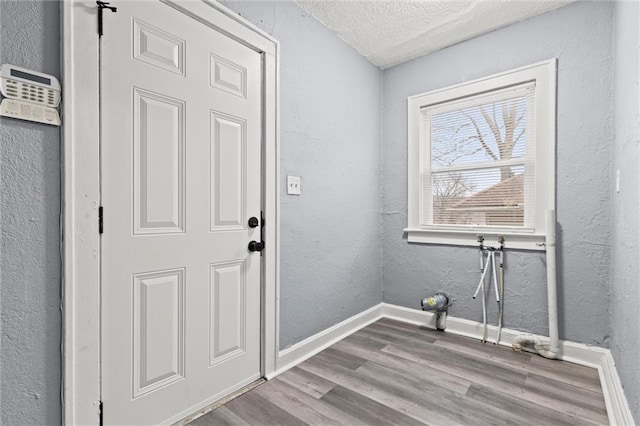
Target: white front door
[(181, 133)]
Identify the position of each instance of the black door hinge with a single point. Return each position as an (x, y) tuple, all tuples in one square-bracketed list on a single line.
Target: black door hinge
[(101, 409), (100, 219), (101, 7)]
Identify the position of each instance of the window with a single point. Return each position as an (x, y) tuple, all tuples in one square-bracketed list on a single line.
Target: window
[(482, 159)]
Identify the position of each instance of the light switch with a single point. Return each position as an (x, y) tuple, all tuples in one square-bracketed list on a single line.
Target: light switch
[(293, 185)]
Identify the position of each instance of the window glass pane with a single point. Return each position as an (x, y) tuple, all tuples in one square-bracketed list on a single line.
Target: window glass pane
[(489, 132), (484, 197)]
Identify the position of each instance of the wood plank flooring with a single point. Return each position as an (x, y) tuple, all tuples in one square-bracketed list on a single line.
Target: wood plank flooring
[(393, 373)]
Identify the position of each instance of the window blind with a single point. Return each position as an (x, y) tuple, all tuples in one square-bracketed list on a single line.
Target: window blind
[(478, 162)]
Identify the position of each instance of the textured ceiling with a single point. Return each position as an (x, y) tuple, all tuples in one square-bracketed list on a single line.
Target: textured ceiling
[(389, 32)]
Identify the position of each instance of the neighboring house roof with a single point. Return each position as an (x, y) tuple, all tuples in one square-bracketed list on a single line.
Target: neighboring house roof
[(508, 193)]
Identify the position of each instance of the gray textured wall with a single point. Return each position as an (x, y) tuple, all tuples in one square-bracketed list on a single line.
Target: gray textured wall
[(580, 36), (29, 223), (625, 290), (330, 136), (331, 254)]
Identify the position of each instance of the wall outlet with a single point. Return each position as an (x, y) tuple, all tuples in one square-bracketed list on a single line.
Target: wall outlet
[(293, 185)]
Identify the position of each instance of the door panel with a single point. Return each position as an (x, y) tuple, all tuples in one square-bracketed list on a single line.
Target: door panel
[(228, 332), (228, 76), (158, 47), (181, 166), (159, 163), (158, 333), (228, 151)]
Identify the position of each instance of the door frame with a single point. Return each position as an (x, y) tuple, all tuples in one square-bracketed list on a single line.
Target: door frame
[(80, 239)]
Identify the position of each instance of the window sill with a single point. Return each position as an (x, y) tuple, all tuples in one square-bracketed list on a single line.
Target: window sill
[(517, 241)]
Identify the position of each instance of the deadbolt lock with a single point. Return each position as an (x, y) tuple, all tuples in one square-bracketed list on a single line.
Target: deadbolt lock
[(256, 246)]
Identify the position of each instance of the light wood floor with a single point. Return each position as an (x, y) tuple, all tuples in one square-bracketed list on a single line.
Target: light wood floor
[(396, 373)]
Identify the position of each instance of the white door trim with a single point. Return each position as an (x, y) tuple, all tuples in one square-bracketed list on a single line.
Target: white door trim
[(81, 195)]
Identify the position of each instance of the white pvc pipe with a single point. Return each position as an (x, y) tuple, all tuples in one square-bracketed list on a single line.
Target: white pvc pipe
[(521, 342), (484, 268), (495, 278), (501, 311), (482, 277), (552, 293)]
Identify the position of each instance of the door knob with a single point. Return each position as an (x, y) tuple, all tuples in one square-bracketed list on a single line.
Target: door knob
[(253, 222), (256, 246)]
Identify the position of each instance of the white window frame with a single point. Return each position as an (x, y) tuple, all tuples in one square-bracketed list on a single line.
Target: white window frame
[(543, 74)]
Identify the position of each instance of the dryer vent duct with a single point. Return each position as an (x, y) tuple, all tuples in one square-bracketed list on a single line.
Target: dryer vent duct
[(439, 303)]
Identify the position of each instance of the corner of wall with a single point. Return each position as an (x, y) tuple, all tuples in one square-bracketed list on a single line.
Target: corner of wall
[(624, 312), (380, 178)]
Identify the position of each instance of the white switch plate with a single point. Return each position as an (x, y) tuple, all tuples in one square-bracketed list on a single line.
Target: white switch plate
[(618, 181), (293, 185)]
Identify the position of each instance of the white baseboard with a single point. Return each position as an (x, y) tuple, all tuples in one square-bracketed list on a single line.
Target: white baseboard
[(590, 356), (617, 405), (301, 351), (577, 353)]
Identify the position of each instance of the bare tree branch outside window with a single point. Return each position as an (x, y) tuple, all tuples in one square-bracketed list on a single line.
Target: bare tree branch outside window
[(478, 135)]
